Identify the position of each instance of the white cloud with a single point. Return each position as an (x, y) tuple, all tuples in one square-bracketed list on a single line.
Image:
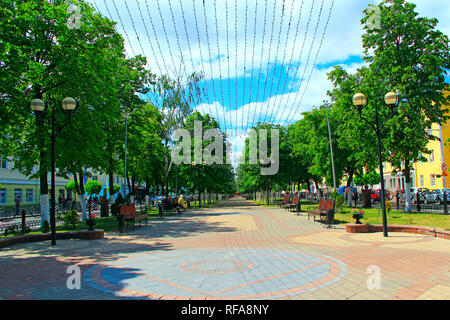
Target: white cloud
[(241, 49)]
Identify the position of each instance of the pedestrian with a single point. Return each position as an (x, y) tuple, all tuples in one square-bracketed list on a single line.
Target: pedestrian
[(17, 204)]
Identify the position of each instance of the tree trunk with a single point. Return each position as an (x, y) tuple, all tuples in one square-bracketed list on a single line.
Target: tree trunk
[(166, 171), (147, 191), (133, 185), (111, 186), (43, 174), (128, 183), (43, 199), (82, 197), (349, 188), (407, 187), (77, 188)]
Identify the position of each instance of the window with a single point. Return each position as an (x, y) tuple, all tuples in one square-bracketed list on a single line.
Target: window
[(420, 156), (2, 195), (431, 158), (384, 165), (18, 192), (433, 180), (95, 178), (3, 164), (421, 181), (29, 195)]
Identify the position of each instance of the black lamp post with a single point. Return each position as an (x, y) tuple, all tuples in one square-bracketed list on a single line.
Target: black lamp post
[(40, 109), (391, 99)]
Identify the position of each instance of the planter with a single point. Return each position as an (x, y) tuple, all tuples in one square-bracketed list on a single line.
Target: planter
[(357, 228), (91, 235), (357, 217), (429, 231), (91, 223)]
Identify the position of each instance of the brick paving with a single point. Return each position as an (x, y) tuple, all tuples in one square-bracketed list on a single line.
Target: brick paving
[(234, 251)]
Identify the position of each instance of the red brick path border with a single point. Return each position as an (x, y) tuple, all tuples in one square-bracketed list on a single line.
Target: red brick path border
[(84, 235), (367, 228)]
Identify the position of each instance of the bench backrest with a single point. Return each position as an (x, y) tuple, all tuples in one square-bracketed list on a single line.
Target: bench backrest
[(286, 198), (322, 204), (295, 200), (128, 210), (329, 204)]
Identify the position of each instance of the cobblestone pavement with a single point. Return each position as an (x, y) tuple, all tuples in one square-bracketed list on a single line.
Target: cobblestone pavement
[(234, 251)]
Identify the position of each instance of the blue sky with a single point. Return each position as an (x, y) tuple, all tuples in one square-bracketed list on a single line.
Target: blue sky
[(262, 60)]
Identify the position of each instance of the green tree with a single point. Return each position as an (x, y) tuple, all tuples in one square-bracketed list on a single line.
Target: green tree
[(409, 55), (215, 177), (43, 58), (175, 100)]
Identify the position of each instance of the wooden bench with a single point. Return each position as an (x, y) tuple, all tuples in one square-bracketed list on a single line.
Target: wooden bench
[(128, 216), (293, 205), (171, 211), (325, 212), (287, 205), (284, 201)]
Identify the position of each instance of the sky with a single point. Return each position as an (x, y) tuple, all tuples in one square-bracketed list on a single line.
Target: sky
[(261, 60)]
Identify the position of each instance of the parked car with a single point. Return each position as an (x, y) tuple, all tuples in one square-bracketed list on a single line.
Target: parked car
[(437, 196), (376, 195), (414, 191)]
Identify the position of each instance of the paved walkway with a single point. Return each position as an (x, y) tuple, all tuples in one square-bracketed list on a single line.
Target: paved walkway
[(234, 251)]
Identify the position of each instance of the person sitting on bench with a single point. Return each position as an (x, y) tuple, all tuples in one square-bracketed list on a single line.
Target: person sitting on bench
[(182, 203), (168, 204)]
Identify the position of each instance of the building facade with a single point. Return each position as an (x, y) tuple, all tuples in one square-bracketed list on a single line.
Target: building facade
[(13, 184), (429, 174)]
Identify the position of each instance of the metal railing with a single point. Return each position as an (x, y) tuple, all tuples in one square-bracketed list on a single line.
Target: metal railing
[(419, 203)]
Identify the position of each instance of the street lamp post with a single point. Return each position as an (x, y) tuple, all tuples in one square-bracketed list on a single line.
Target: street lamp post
[(39, 108), (391, 99)]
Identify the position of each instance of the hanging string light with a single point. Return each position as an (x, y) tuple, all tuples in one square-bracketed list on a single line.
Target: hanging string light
[(307, 61), (315, 62), (219, 59), (275, 100)]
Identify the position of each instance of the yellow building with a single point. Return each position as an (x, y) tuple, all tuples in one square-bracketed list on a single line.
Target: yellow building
[(426, 174)]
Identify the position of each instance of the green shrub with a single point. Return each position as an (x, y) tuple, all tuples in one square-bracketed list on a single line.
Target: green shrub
[(70, 220), (93, 187), (45, 227), (115, 206), (14, 229), (388, 205), (116, 188), (338, 201)]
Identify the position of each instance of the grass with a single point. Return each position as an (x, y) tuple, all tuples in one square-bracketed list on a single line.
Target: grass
[(204, 205), (374, 216), (108, 224), (264, 203)]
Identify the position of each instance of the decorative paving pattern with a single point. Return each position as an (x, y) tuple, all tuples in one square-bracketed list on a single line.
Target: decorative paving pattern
[(234, 252), (217, 274)]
